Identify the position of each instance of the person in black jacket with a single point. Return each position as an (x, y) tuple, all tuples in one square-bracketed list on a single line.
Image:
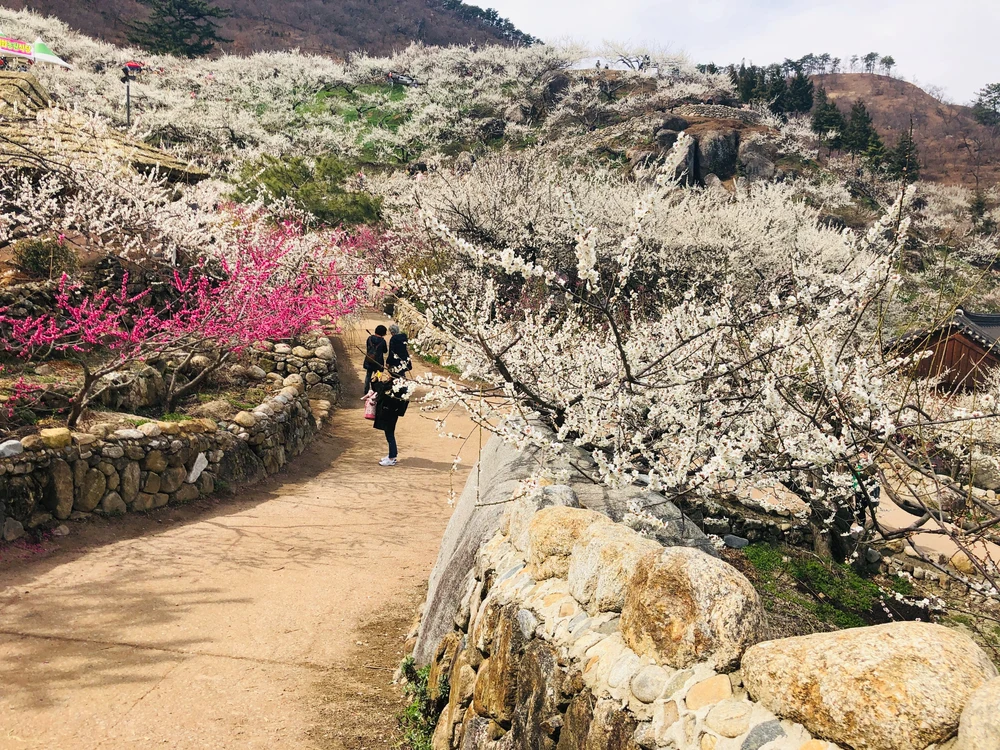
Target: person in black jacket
[(398, 362), (375, 351), (389, 407)]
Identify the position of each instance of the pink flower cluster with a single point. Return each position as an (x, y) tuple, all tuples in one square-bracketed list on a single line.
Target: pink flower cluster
[(262, 290), (256, 298)]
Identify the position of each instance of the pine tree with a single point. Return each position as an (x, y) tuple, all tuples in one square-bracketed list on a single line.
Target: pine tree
[(800, 93), (745, 81), (777, 90), (179, 27), (986, 108), (826, 118), (874, 152), (859, 129), (902, 161)]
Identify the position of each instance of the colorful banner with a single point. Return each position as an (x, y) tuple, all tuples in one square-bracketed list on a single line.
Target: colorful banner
[(15, 48)]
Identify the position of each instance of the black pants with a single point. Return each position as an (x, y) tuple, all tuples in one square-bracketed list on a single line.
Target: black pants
[(368, 381), (867, 503), (390, 438)]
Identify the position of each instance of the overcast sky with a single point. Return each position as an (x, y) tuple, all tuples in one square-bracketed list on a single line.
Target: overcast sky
[(953, 44)]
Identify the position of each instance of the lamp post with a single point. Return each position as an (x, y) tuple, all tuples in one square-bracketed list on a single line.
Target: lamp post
[(129, 70)]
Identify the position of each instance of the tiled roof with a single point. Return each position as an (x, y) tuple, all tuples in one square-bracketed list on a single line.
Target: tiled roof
[(983, 328)]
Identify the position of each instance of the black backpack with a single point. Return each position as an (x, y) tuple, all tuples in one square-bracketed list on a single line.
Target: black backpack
[(371, 358)]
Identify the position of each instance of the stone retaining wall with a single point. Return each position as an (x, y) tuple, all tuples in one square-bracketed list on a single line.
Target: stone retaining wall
[(487, 497), (58, 474), (313, 360), (424, 337), (575, 632)]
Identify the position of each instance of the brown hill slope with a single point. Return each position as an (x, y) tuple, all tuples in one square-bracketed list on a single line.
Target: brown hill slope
[(328, 26), (953, 147)]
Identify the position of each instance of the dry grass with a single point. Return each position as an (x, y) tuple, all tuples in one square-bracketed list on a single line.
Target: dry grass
[(953, 147)]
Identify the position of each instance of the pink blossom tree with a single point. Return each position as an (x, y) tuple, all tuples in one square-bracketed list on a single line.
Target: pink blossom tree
[(260, 293)]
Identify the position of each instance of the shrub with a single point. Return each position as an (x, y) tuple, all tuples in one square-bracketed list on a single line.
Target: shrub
[(420, 716), (313, 185), (45, 257)]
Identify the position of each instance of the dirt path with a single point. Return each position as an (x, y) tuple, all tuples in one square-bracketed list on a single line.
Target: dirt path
[(265, 620)]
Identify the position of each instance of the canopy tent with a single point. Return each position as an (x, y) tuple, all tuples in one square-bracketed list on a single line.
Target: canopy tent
[(37, 52), (42, 53)]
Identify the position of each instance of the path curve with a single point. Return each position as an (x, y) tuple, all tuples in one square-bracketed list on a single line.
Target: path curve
[(268, 619)]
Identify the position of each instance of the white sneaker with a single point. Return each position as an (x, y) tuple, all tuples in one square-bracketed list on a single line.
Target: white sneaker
[(387, 462)]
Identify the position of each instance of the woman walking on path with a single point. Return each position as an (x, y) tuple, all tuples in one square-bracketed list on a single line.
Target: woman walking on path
[(375, 351), (398, 361), (392, 400)]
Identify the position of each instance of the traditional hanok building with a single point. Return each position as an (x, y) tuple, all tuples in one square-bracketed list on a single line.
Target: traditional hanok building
[(964, 349)]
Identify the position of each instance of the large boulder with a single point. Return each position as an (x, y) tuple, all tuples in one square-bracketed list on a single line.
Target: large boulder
[(147, 389), (683, 606), (611, 728), (985, 471), (172, 478), (717, 153), (686, 151), (56, 438), (94, 485), (462, 683), (553, 533), (756, 158), (523, 509), (130, 477), (554, 87), (443, 662), (495, 694), (240, 464), (520, 112), (667, 524), (602, 563), (979, 727), (900, 686), (219, 409), (672, 122), (576, 722), (537, 717)]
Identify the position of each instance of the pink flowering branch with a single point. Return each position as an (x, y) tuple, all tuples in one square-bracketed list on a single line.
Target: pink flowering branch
[(259, 296), (19, 394)]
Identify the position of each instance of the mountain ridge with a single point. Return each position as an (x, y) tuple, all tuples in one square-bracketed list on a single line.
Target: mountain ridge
[(373, 26), (953, 148)]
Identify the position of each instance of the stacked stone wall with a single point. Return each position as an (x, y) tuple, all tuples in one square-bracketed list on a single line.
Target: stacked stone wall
[(575, 632), (57, 474), (425, 338), (313, 360)]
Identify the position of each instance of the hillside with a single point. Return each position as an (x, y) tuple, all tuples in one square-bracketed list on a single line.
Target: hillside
[(954, 148), (375, 26)]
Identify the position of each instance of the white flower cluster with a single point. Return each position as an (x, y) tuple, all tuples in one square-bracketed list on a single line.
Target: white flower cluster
[(764, 368)]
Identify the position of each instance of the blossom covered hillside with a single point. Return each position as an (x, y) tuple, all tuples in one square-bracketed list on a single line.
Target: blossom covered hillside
[(226, 110), (701, 297)]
